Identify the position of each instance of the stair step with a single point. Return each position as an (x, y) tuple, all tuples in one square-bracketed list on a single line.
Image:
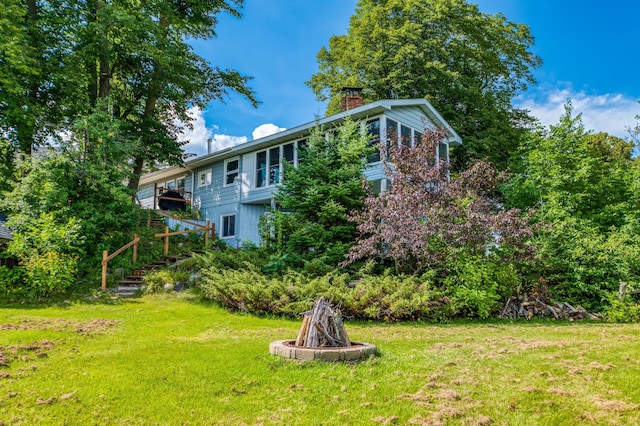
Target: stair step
[(129, 282)]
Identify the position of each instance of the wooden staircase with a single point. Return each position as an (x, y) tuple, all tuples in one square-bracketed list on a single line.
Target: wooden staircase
[(132, 284)]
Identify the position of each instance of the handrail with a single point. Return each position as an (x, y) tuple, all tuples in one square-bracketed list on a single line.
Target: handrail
[(106, 257), (209, 228)]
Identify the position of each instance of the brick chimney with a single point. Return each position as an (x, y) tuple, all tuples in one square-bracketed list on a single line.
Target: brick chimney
[(351, 98)]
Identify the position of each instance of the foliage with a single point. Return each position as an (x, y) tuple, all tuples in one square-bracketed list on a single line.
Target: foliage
[(622, 311), (53, 211), (585, 188), (478, 287), (467, 63), (424, 221), (227, 258), (12, 282), (476, 292), (67, 59), (156, 281), (317, 197), (50, 273)]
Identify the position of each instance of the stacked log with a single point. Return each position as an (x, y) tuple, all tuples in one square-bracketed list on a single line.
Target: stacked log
[(322, 326), (529, 307)]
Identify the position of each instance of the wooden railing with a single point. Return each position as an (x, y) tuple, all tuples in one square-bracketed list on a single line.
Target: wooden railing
[(208, 229), (106, 257)]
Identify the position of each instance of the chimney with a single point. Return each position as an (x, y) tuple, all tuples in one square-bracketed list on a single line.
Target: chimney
[(351, 98)]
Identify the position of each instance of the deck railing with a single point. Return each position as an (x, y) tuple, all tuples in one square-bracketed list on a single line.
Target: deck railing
[(208, 229), (159, 190)]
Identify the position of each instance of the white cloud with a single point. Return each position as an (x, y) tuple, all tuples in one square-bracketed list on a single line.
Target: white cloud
[(199, 135), (612, 113), (266, 130)]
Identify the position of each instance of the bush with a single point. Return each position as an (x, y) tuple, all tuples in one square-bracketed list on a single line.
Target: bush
[(12, 281), (627, 310), (155, 282), (477, 287), (49, 274), (386, 297)]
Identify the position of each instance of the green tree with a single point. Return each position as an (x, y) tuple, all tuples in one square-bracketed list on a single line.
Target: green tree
[(584, 186), (64, 59), (319, 195), (468, 64)]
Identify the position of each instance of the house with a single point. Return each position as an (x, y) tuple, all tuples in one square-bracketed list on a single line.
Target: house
[(234, 187)]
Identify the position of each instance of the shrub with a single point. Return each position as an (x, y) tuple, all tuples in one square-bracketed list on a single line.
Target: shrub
[(385, 297), (49, 274), (12, 281), (155, 282), (477, 287), (627, 310)]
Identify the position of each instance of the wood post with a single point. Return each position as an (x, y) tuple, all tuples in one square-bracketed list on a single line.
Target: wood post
[(155, 196), (135, 248), (206, 234), (105, 255), (166, 241)]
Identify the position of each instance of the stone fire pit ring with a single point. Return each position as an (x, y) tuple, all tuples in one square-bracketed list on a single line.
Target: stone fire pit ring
[(288, 350)]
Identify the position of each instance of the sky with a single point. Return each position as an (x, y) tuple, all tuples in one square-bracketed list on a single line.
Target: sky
[(589, 50)]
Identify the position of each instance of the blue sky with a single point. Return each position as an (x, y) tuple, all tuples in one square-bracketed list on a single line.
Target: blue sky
[(589, 48)]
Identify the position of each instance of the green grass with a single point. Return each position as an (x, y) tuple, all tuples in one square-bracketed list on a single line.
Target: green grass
[(166, 360)]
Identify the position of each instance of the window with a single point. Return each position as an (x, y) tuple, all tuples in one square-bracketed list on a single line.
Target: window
[(274, 165), (392, 134), (269, 163), (228, 225), (231, 171), (204, 178), (287, 153), (443, 152), (417, 137), (373, 130), (302, 149), (261, 169), (170, 184), (405, 136), (180, 183)]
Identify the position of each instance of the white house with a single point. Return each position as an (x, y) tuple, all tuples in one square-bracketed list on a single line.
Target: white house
[(234, 187)]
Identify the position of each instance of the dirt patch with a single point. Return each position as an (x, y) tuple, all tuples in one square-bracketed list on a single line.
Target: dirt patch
[(10, 354), (86, 328), (614, 405)]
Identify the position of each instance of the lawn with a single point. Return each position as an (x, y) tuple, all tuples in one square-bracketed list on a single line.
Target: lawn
[(171, 360)]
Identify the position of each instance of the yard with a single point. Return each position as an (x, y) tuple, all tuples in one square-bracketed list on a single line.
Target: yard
[(172, 360)]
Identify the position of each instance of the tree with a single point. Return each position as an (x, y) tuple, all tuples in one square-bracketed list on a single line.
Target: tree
[(319, 195), (468, 64), (425, 221), (64, 59), (584, 186)]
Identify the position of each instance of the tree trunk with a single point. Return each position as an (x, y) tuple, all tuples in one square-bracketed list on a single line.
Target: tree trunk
[(149, 110)]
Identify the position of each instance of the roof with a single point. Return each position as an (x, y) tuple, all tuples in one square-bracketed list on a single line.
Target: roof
[(5, 233), (359, 113)]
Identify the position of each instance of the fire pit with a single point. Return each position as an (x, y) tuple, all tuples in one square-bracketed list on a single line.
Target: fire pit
[(322, 337)]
